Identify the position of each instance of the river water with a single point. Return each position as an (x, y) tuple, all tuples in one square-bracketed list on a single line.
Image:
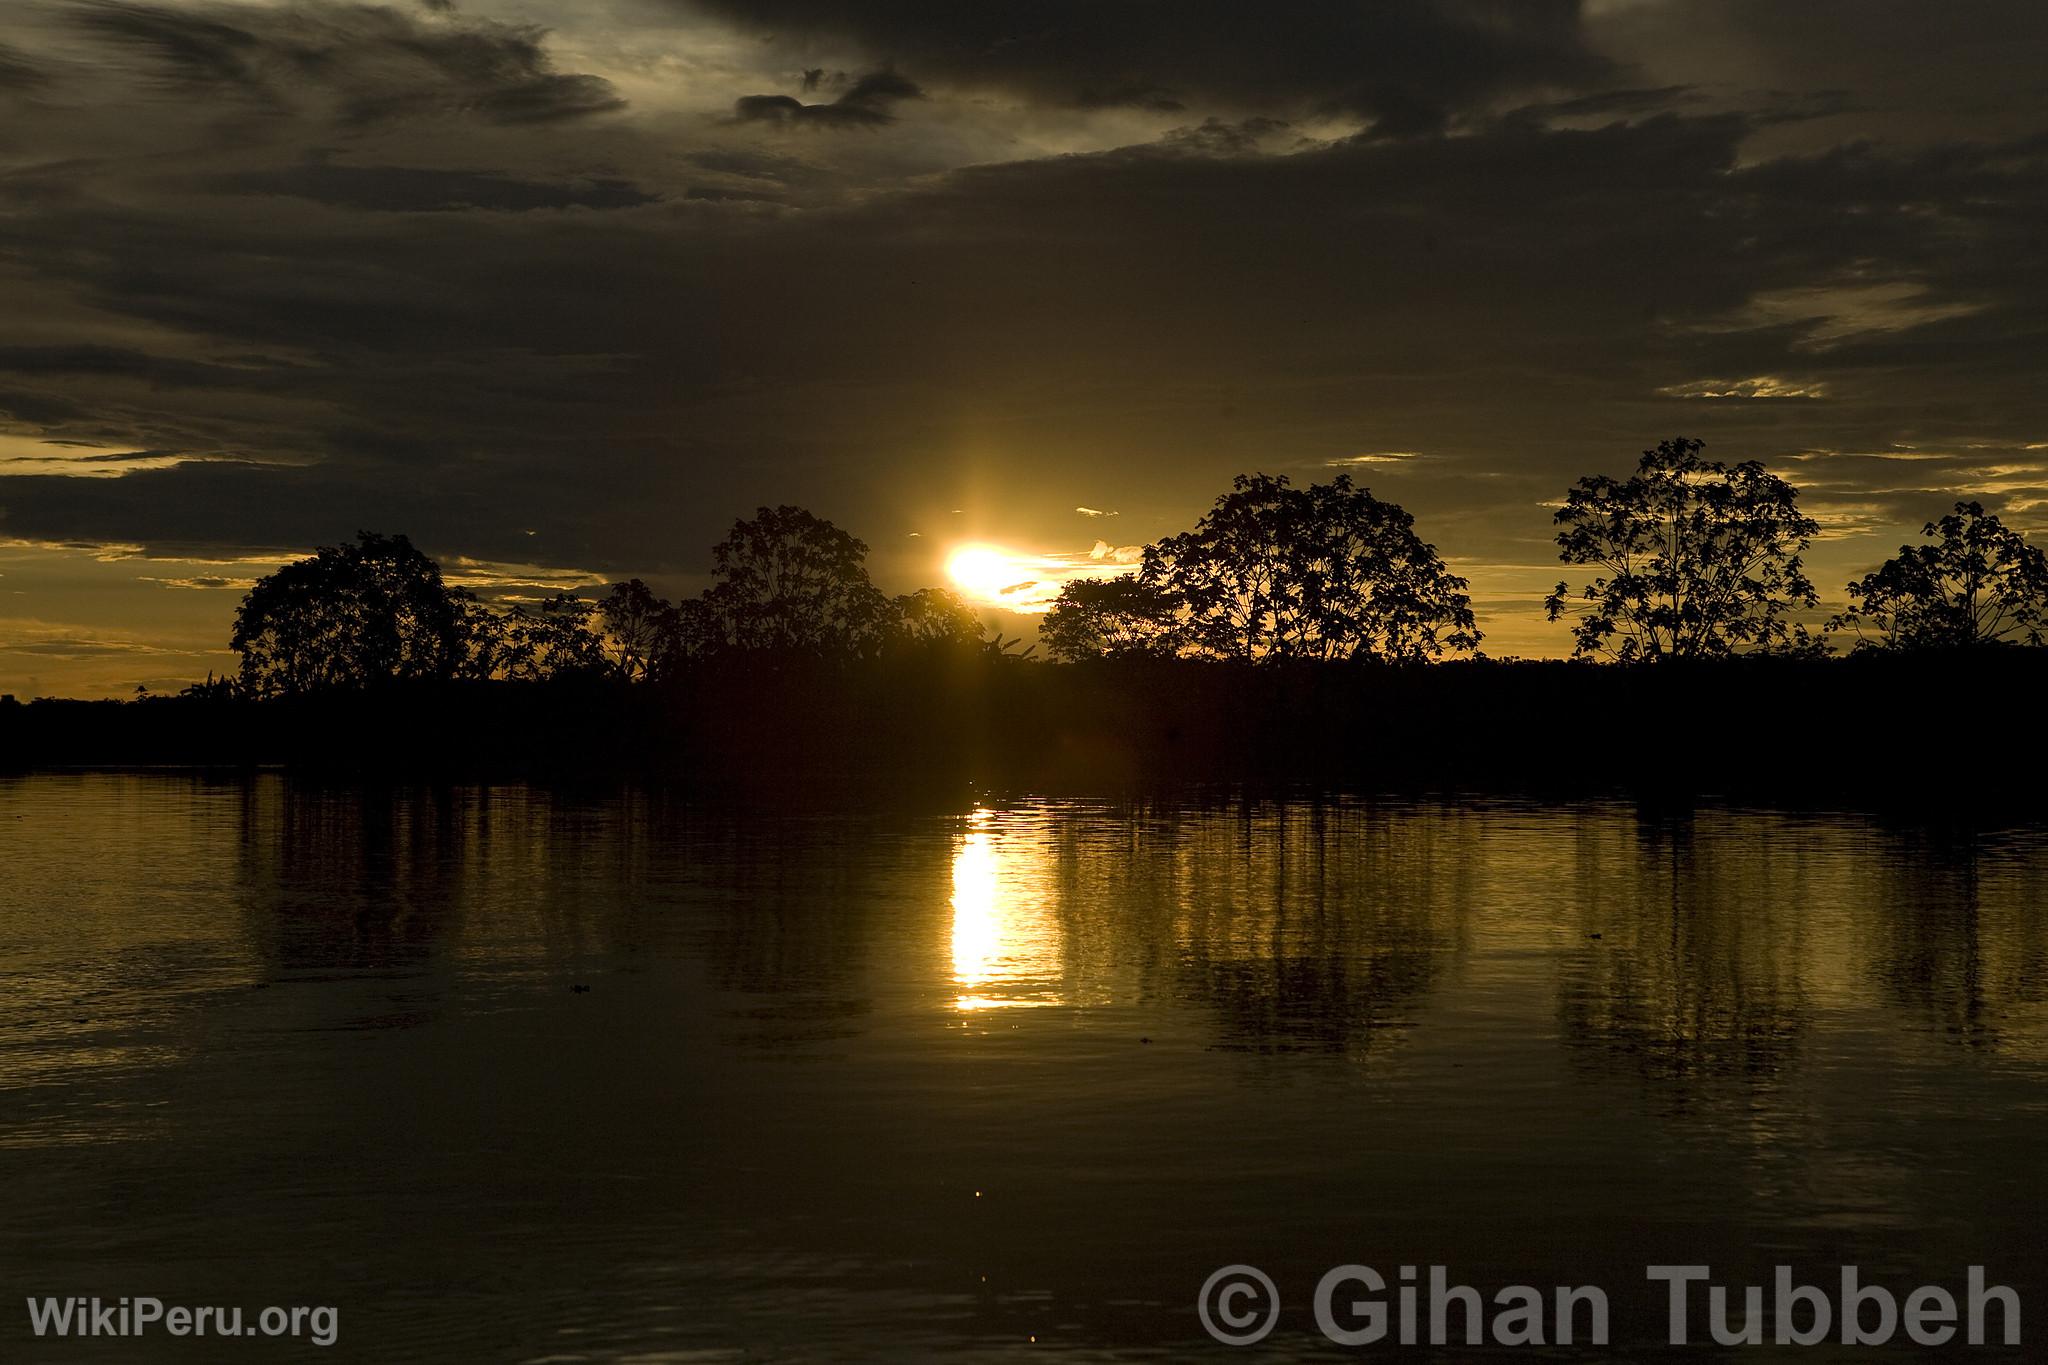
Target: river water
[(515, 1074)]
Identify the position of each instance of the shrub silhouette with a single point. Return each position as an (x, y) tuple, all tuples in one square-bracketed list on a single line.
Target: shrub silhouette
[(934, 618)]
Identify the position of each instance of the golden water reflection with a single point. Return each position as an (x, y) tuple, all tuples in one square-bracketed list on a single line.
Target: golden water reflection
[(1007, 939)]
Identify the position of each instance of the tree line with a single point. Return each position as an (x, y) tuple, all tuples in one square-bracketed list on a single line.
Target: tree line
[(1685, 559), (376, 610)]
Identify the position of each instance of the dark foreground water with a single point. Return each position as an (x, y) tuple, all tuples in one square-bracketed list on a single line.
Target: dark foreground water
[(994, 1081)]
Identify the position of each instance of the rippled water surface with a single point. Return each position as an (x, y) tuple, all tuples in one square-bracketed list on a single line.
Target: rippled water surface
[(507, 1074)]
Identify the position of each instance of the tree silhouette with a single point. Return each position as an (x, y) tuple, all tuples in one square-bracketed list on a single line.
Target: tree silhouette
[(1981, 584), (935, 618), (553, 640), (1696, 560), (1108, 618), (792, 582), (699, 634), (638, 632), (352, 616), (1323, 572)]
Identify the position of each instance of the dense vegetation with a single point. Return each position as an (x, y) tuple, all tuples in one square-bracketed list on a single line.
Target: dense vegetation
[(1689, 559), (789, 585), (1292, 634), (1277, 573)]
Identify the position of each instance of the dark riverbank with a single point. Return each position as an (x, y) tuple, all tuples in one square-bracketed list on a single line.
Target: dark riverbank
[(1933, 730)]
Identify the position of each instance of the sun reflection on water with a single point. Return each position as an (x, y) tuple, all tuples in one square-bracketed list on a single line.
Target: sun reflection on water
[(1006, 941)]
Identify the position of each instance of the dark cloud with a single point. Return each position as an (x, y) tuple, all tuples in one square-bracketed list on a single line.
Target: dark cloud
[(412, 189), (105, 361), (1897, 47), (1527, 264), (868, 102), (1383, 59), (1518, 300), (373, 63), (1886, 68), (201, 582), (1620, 103), (123, 456), (755, 164), (545, 98), (1218, 137), (713, 194), (182, 47), (1156, 99), (17, 71)]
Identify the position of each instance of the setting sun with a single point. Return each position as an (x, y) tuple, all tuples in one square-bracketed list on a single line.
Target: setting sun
[(1022, 581), (871, 679), (991, 575)]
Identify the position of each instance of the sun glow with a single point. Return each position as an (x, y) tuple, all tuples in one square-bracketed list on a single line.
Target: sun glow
[(1006, 940), (990, 574), (1027, 583)]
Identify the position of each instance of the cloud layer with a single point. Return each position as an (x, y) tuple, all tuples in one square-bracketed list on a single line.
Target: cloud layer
[(579, 297)]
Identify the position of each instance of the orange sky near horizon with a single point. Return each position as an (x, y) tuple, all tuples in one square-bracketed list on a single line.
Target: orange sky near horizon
[(99, 622)]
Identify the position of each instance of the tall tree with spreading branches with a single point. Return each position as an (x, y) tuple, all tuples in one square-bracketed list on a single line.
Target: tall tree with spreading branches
[(1109, 618), (353, 616), (549, 641), (791, 582), (1324, 572), (1979, 583), (1694, 559), (638, 631)]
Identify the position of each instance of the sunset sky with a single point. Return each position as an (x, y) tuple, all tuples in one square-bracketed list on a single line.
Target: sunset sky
[(562, 289)]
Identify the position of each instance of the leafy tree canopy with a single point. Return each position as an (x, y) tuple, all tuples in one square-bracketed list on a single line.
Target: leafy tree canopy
[(1979, 583), (639, 634), (1278, 572), (1693, 559), (550, 640), (353, 616), (791, 582), (935, 618), (1109, 618), (1322, 572)]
